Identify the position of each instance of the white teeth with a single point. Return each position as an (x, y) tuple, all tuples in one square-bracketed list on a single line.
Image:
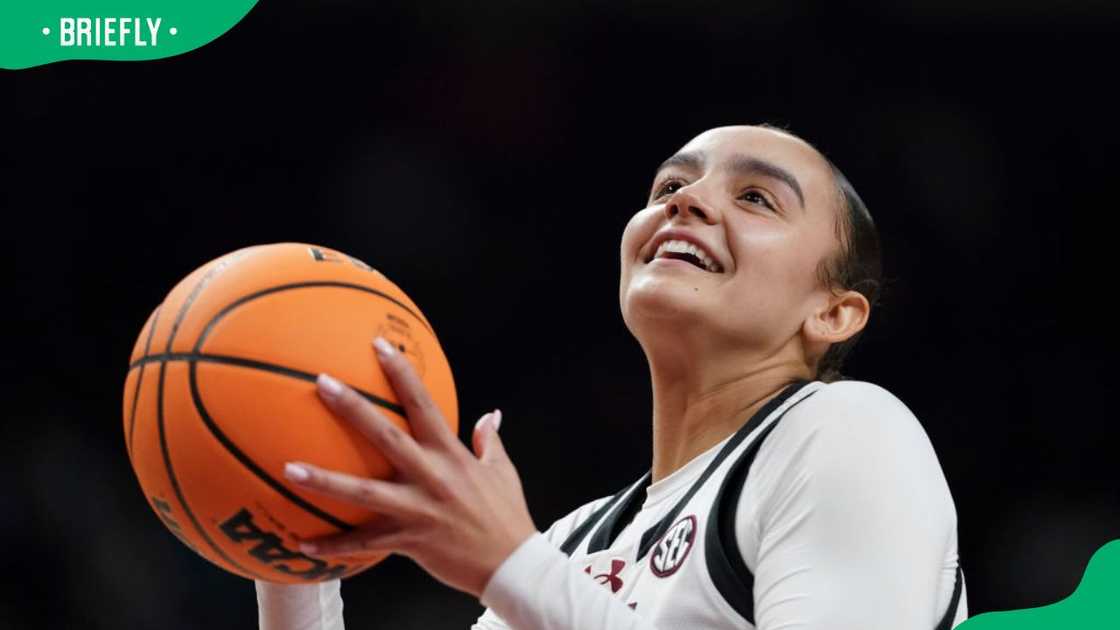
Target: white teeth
[(684, 247)]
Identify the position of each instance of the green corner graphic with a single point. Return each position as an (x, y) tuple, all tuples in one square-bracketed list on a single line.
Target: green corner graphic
[(37, 32), (1094, 604)]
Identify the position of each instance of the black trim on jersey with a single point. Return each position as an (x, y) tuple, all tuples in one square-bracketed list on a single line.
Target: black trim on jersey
[(954, 603), (571, 543), (620, 517), (724, 557), (655, 532), (729, 573)]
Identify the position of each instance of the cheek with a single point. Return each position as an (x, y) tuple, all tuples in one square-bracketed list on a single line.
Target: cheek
[(638, 231), (773, 259)]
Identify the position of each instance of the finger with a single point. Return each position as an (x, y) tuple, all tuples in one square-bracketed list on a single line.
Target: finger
[(489, 447), (380, 536), (424, 416), (397, 446), (380, 496), (477, 441)]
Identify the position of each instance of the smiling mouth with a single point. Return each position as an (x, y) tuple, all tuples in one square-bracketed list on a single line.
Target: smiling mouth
[(689, 253)]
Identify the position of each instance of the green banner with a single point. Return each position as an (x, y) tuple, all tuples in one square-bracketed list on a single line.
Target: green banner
[(36, 32), (1094, 605)]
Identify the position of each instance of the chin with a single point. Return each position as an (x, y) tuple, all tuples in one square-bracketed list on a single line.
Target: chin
[(660, 300)]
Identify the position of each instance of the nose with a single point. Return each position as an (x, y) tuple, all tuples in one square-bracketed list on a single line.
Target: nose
[(684, 204)]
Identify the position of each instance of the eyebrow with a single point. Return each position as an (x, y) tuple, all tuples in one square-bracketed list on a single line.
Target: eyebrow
[(740, 165), (687, 159)]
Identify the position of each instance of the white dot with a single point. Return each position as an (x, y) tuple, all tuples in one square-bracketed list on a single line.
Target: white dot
[(46, 30), (174, 31)]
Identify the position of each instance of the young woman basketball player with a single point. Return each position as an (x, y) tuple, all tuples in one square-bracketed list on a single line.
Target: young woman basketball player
[(779, 496)]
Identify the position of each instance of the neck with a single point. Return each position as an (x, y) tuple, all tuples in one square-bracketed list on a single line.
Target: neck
[(699, 404)]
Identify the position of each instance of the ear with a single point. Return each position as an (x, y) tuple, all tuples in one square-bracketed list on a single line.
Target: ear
[(844, 315)]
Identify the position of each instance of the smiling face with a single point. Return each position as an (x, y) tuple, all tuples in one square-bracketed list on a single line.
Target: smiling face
[(729, 245)]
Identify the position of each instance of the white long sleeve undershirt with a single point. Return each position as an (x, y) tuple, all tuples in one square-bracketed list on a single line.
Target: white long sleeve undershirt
[(538, 588), (299, 606), (514, 593), (855, 530)]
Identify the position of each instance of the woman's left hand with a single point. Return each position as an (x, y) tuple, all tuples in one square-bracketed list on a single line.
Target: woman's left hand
[(458, 515)]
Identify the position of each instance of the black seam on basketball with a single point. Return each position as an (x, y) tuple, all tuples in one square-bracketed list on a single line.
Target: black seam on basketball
[(140, 380), (224, 440), (220, 266), (253, 466), (215, 270), (658, 529), (257, 365), (175, 482), (302, 285), (194, 358)]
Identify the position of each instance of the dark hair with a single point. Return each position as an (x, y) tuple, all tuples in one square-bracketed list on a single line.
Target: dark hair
[(856, 266)]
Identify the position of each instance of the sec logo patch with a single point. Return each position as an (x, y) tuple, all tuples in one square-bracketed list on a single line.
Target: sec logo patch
[(670, 552)]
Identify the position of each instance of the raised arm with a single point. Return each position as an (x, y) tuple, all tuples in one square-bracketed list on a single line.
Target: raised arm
[(539, 588), (460, 515), (536, 588)]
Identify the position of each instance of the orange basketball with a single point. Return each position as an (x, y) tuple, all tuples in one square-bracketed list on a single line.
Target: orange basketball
[(221, 393)]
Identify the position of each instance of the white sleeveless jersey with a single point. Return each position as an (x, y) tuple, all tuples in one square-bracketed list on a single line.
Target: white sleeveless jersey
[(828, 509)]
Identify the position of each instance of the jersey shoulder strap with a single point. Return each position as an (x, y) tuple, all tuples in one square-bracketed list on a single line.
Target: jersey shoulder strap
[(660, 528), (729, 573), (572, 542), (625, 504), (620, 517)]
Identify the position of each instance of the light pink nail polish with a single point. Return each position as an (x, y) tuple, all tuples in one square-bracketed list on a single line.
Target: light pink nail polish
[(295, 472), (329, 386), (383, 347), (497, 420)]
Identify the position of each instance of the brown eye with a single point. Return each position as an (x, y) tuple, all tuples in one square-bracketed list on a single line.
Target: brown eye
[(753, 196), (669, 187)]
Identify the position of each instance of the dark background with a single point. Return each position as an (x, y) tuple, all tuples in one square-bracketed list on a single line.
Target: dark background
[(486, 157)]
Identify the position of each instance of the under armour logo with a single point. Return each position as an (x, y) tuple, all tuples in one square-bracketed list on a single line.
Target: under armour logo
[(669, 553), (610, 578)]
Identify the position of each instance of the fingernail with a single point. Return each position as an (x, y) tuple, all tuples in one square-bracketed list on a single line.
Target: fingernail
[(482, 421), (384, 348), (329, 386), (295, 472), (497, 413), (308, 548)]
